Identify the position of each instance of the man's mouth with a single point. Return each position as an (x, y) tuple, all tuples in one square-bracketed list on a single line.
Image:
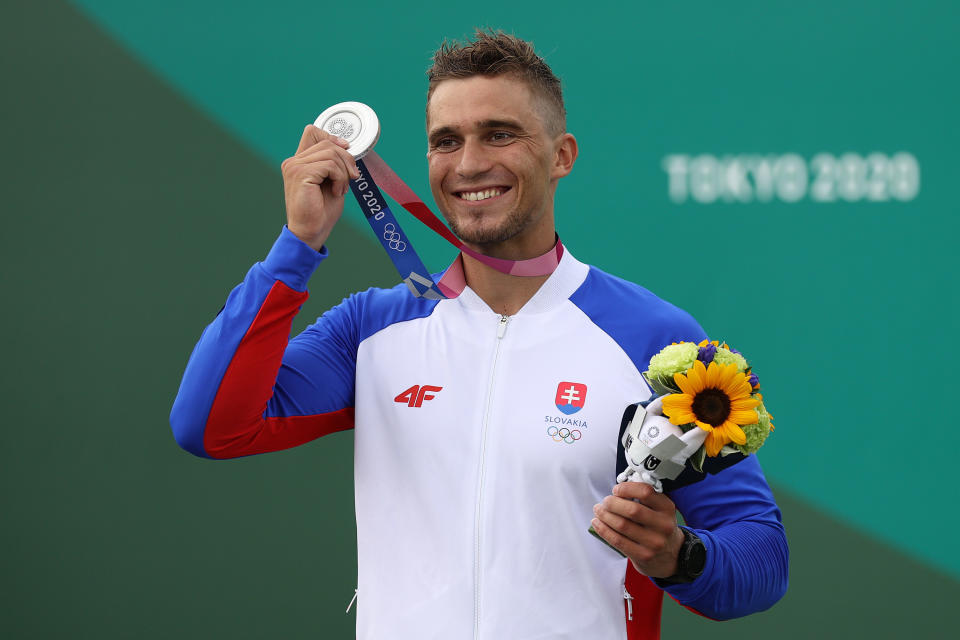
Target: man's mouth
[(482, 194)]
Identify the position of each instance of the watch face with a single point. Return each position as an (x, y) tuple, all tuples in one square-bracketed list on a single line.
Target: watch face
[(696, 557)]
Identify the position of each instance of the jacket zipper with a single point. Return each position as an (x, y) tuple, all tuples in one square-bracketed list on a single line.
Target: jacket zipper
[(501, 330), (629, 599)]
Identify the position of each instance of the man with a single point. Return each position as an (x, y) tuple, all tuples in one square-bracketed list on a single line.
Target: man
[(472, 514)]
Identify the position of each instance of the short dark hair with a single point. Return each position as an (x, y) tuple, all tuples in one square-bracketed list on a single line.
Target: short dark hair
[(495, 53)]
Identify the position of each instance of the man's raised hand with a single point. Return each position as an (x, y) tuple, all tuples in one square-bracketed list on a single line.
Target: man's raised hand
[(315, 181)]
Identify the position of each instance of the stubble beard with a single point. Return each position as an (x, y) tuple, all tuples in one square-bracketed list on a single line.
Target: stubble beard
[(516, 221)]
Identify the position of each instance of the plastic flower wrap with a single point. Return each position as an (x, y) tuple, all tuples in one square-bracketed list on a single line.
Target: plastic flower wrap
[(711, 386)]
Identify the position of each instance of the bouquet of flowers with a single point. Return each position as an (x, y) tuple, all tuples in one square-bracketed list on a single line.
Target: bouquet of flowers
[(709, 404)]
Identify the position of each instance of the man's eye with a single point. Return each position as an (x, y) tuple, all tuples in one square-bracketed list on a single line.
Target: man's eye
[(445, 143), (501, 136)]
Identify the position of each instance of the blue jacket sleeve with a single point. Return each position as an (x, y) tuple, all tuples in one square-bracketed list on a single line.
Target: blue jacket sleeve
[(247, 388), (732, 511), (735, 515)]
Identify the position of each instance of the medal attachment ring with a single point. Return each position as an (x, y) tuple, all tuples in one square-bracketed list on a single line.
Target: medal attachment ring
[(355, 122)]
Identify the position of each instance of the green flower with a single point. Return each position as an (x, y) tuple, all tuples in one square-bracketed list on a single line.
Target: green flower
[(756, 433), (725, 356), (676, 358)]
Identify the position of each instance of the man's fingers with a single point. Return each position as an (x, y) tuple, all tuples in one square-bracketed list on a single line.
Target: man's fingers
[(646, 535), (328, 152), (633, 519), (312, 135), (653, 509), (645, 494), (326, 167), (320, 163), (641, 516), (634, 511), (649, 537), (619, 541)]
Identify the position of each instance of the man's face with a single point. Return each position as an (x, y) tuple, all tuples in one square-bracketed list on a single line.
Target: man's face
[(493, 165)]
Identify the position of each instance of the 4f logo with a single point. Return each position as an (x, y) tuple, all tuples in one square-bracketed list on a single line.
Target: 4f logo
[(416, 395), (570, 397)]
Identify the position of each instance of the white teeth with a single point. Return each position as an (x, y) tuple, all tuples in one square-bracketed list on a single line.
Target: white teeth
[(473, 196)]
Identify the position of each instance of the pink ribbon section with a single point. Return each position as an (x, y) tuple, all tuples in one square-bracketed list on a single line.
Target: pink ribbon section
[(453, 282)]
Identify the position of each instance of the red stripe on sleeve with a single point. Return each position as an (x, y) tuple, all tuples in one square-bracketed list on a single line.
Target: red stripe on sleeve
[(646, 606), (694, 610), (236, 425)]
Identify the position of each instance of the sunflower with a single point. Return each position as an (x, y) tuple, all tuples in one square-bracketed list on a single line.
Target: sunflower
[(717, 399)]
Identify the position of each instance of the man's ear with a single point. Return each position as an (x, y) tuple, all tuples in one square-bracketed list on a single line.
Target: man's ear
[(565, 156)]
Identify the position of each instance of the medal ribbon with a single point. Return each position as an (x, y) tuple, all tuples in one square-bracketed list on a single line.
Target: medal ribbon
[(373, 172)]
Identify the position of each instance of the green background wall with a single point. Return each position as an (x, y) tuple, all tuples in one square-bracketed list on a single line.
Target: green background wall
[(140, 179)]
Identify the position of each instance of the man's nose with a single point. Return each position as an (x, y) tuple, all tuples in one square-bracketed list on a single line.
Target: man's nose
[(474, 159)]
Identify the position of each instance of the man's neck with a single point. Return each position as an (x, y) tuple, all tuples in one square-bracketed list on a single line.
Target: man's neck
[(503, 293)]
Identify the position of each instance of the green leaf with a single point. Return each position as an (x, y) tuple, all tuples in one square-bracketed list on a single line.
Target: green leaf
[(698, 458), (596, 535), (660, 386)]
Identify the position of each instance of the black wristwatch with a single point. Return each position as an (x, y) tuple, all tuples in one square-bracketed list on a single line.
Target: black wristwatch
[(690, 561)]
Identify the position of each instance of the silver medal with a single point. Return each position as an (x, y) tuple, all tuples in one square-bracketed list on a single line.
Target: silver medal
[(355, 122)]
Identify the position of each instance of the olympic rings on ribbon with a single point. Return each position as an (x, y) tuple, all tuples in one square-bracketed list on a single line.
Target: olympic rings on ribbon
[(562, 434), (392, 237)]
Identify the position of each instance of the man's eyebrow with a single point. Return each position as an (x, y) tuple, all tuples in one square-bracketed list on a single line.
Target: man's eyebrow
[(440, 132), (512, 125), (500, 124)]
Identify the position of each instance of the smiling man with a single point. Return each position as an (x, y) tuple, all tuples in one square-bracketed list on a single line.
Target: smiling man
[(494, 162), (496, 150), (486, 426)]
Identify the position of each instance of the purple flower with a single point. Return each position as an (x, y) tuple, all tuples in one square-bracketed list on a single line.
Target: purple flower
[(754, 380), (705, 354)]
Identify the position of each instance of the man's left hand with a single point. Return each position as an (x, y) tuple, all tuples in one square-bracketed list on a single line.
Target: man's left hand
[(641, 524)]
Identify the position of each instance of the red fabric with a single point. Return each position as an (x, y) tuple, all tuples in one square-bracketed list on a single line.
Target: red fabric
[(694, 610), (647, 606), (236, 425)]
